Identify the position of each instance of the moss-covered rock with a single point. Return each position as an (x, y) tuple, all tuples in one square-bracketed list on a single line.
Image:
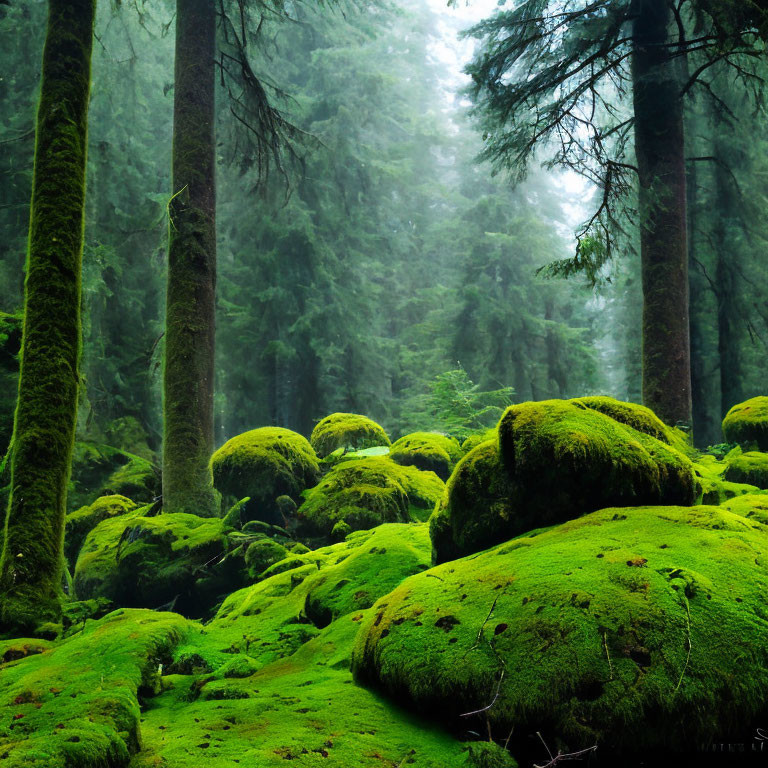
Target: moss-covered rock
[(428, 451), (261, 554), (612, 629), (478, 508), (75, 702), (747, 423), (478, 438), (715, 489), (555, 460), (750, 468), (85, 519), (349, 431), (102, 470), (640, 418), (363, 493), (264, 464), (147, 562)]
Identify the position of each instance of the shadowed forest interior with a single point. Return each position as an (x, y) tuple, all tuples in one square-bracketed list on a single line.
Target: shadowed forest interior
[(383, 382)]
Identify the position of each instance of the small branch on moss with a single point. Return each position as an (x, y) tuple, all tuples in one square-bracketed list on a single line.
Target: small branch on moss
[(561, 756), (608, 656), (688, 643), (432, 576), (482, 626), (495, 699)]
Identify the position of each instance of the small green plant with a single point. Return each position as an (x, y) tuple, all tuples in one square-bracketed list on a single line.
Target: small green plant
[(457, 406)]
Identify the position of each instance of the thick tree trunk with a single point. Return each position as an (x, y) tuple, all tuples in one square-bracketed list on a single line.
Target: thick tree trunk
[(190, 311), (44, 426), (660, 151), (729, 327)]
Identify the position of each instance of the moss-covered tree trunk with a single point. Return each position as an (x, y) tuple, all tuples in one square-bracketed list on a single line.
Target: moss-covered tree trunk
[(730, 327), (660, 151), (190, 312), (44, 426)]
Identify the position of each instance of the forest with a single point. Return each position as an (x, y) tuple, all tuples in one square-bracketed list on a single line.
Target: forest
[(383, 383)]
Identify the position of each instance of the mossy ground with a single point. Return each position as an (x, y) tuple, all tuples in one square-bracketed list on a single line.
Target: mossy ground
[(75, 703), (264, 464), (348, 431), (429, 451), (633, 628)]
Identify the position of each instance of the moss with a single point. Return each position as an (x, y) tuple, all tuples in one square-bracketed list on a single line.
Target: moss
[(302, 594), (364, 493), (556, 460), (640, 418), (478, 508), (747, 423), (190, 306), (10, 345), (613, 629), (103, 470), (478, 439), (715, 489), (264, 464), (68, 704), (46, 411), (83, 520), (303, 710), (261, 554), (750, 468), (348, 431), (428, 451), (148, 562), (751, 505)]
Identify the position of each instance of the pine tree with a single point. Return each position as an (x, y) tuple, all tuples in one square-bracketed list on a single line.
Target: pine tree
[(44, 426)]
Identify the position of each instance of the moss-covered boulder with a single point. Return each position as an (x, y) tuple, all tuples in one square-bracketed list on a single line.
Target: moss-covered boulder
[(747, 423), (640, 418), (85, 519), (555, 460), (265, 464), (429, 451), (632, 628), (478, 438), (102, 470), (261, 554), (174, 559), (272, 618), (363, 493), (750, 468), (349, 431), (715, 488), (76, 702)]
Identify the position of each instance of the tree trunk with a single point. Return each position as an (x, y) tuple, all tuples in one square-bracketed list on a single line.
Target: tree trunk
[(191, 297), (44, 426), (660, 151), (729, 326)]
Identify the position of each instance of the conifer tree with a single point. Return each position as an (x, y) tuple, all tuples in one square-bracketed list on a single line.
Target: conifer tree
[(44, 426)]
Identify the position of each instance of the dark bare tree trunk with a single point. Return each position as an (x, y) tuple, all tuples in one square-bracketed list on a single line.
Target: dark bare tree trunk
[(44, 426), (190, 313), (660, 151)]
